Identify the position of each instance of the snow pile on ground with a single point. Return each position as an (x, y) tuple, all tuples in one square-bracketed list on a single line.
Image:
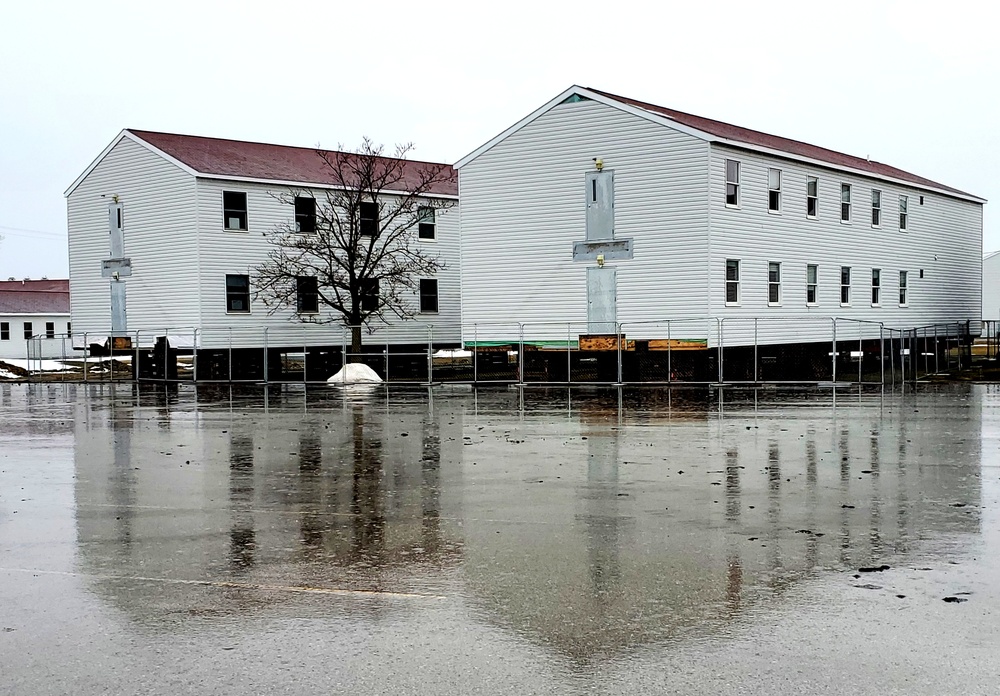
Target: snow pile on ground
[(4, 374), (355, 373)]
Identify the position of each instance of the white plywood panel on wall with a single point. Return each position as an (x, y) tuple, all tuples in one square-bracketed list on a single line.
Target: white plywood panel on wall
[(940, 249), (158, 200), (223, 252), (523, 207)]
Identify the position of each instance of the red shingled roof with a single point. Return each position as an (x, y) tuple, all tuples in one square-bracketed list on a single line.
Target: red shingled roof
[(792, 147), (237, 158), (34, 297)]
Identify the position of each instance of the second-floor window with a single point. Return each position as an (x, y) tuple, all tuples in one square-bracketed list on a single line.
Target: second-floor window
[(732, 182), (902, 288), (774, 190), (234, 210), (305, 214), (903, 202), (369, 295), (28, 332), (428, 295), (812, 197), (845, 202), (426, 225), (876, 207), (876, 286), (368, 219), (50, 329)]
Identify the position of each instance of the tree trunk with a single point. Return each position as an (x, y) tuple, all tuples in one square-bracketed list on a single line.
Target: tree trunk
[(355, 344)]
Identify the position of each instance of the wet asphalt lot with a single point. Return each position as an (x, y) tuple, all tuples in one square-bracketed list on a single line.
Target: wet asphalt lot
[(158, 541)]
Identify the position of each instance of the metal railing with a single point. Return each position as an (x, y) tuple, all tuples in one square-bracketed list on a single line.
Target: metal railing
[(696, 350)]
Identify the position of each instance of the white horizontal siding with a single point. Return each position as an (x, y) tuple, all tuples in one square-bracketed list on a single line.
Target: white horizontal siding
[(15, 346), (943, 238), (223, 252), (159, 222), (991, 287), (523, 207)]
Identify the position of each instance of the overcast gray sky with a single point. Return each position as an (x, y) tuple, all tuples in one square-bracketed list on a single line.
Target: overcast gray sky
[(912, 84)]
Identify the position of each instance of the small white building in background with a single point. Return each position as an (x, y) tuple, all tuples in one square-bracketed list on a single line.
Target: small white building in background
[(597, 209), (991, 287), (35, 311), (194, 213)]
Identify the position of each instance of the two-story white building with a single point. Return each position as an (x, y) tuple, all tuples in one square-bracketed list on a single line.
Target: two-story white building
[(193, 217), (608, 212)]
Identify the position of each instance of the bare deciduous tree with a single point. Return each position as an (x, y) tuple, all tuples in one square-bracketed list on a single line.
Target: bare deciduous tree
[(351, 255)]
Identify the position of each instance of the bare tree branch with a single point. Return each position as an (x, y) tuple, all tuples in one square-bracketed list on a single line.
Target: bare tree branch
[(349, 257)]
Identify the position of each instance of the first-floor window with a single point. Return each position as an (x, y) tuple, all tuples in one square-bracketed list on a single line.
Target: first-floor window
[(773, 282), (876, 208), (237, 293), (732, 281), (902, 288), (69, 329), (4, 330), (812, 274), (428, 295), (845, 285), (50, 329), (28, 333), (306, 295), (369, 295), (876, 285), (903, 203)]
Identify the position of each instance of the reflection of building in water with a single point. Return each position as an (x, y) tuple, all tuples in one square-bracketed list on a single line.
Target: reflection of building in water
[(657, 533), (329, 498)]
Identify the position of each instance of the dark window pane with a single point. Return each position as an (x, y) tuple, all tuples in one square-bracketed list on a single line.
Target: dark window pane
[(811, 207), (307, 294), (369, 296), (305, 214), (368, 219), (237, 293), (4, 331), (234, 210), (28, 333), (428, 295), (50, 329), (774, 200)]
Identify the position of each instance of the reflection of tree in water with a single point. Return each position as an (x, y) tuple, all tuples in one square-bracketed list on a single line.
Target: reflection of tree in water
[(242, 535), (368, 540)]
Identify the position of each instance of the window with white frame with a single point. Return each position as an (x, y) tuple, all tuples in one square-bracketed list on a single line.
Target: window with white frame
[(50, 329), (903, 202), (845, 202), (774, 190), (234, 210), (426, 223), (876, 208), (812, 283), (732, 281), (732, 182), (305, 214), (28, 331), (876, 286), (4, 330), (237, 294), (773, 282), (845, 285), (812, 197), (307, 294), (428, 295), (902, 288)]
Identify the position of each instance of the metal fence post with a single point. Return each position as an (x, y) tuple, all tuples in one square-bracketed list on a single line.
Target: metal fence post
[(618, 341), (569, 353), (861, 352), (881, 352), (755, 358), (721, 343), (86, 351), (475, 353), (230, 355), (194, 356), (430, 354), (670, 365), (166, 353), (265, 356), (834, 353), (520, 353), (305, 365)]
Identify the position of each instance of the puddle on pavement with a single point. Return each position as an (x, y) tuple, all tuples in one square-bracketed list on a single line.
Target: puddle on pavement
[(587, 523)]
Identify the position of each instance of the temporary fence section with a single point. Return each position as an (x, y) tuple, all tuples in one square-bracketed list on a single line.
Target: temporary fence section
[(698, 350)]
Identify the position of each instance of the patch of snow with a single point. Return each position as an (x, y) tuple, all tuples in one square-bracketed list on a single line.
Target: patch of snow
[(4, 374), (456, 353), (355, 373)]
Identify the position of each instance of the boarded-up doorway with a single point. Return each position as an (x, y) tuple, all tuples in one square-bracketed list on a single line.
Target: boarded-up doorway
[(602, 307)]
